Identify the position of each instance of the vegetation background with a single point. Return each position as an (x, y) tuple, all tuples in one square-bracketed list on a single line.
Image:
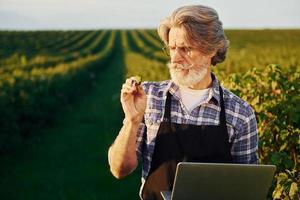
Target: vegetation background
[(60, 109)]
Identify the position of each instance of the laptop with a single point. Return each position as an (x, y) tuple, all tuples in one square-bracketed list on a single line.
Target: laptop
[(215, 181)]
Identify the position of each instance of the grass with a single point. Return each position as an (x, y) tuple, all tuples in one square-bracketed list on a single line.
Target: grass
[(69, 161)]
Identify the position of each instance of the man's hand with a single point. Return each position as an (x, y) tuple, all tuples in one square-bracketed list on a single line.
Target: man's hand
[(133, 99)]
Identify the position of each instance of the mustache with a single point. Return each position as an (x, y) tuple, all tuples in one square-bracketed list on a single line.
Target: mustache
[(179, 66)]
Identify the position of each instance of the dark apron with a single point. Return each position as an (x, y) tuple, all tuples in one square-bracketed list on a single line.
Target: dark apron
[(184, 142)]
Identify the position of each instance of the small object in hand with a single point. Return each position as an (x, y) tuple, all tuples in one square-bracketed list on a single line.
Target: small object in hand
[(138, 79)]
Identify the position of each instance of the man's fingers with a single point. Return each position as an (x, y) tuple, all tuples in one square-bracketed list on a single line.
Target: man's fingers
[(129, 87), (131, 81), (126, 86), (127, 90), (141, 90), (128, 81)]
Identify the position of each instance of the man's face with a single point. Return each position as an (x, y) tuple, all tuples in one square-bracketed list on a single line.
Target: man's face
[(188, 64)]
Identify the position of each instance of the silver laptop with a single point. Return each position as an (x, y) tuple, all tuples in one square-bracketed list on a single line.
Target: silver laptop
[(215, 181)]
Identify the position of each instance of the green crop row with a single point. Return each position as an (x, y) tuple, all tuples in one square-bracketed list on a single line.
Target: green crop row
[(30, 43), (29, 99), (44, 61)]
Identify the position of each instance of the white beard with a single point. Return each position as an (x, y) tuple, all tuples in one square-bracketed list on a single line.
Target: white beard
[(193, 76)]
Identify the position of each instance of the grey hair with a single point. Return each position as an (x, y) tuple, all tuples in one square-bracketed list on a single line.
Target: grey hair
[(203, 29)]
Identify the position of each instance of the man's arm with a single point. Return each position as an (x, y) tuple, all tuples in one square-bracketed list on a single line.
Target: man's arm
[(122, 155)]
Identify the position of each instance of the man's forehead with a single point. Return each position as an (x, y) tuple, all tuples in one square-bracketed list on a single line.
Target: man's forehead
[(178, 37)]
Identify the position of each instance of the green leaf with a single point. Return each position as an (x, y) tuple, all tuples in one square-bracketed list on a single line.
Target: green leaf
[(293, 190), (274, 85), (282, 177), (255, 101), (283, 146), (277, 192)]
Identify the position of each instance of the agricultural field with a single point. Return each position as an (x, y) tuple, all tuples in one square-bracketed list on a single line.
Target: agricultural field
[(60, 110)]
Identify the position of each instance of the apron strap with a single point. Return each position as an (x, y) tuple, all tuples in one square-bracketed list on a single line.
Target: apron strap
[(222, 114), (167, 113)]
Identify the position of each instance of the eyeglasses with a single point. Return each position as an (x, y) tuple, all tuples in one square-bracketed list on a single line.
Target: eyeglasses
[(182, 50)]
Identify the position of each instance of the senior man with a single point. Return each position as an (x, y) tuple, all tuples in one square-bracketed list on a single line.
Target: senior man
[(189, 118)]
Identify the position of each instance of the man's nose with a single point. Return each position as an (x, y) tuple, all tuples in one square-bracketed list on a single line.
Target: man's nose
[(176, 57)]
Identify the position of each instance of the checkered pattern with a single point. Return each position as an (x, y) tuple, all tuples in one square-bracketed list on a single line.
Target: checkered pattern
[(240, 118)]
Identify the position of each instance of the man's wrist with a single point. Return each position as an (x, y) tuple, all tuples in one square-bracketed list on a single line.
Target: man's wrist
[(132, 120)]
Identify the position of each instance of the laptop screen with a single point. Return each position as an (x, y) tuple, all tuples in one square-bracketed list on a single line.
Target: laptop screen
[(217, 181)]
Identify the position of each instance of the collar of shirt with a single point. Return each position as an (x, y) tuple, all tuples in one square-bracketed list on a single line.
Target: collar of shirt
[(213, 97)]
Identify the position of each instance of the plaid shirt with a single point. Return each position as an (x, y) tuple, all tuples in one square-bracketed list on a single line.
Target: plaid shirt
[(240, 118)]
